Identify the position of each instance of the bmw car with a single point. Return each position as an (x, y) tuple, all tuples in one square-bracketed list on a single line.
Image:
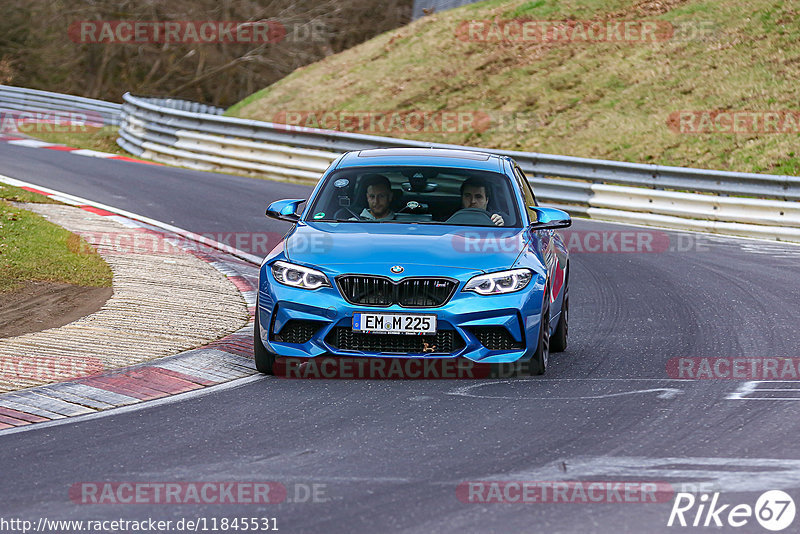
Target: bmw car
[(416, 253)]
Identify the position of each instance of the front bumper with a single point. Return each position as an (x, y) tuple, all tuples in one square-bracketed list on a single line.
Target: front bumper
[(323, 319)]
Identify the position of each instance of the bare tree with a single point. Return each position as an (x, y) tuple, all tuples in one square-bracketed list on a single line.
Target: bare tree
[(37, 49)]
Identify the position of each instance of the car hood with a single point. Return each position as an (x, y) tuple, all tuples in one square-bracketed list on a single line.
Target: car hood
[(372, 248)]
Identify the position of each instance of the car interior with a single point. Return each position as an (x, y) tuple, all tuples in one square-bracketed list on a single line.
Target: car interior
[(419, 194)]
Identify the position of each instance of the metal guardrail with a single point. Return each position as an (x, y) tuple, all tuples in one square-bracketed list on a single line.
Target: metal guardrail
[(259, 148), (19, 99), (534, 164), (677, 197), (421, 7), (186, 105), (198, 136)]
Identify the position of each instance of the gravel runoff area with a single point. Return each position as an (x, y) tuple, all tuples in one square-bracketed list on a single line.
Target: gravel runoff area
[(163, 303)]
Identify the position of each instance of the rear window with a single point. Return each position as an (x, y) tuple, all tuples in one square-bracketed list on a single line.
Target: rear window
[(421, 195)]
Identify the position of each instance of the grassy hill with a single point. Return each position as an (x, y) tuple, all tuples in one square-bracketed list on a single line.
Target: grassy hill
[(605, 99)]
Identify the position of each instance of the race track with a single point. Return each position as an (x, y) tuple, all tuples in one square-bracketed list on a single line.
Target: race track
[(390, 455)]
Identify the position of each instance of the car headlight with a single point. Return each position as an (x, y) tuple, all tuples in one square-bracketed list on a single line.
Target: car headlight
[(498, 283), (298, 276)]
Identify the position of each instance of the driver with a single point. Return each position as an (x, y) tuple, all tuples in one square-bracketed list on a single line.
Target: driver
[(474, 195), (379, 198)]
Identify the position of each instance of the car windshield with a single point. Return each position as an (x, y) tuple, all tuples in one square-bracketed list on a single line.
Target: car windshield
[(422, 195)]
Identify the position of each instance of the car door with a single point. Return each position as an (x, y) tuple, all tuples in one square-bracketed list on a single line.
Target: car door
[(552, 245)]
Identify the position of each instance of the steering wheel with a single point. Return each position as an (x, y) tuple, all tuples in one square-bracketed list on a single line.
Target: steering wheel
[(344, 212), (472, 216)]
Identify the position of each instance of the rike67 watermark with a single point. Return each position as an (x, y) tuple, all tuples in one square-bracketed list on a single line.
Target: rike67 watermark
[(774, 510)]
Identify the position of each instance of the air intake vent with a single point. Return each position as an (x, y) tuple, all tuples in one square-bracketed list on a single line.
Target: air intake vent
[(444, 342), (408, 292), (297, 331), (496, 338)]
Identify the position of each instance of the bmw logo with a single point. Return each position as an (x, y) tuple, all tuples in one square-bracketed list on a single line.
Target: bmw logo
[(397, 269)]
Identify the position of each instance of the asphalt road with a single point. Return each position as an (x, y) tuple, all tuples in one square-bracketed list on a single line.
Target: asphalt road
[(388, 456)]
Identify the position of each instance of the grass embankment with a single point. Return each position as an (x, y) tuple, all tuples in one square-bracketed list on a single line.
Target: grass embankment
[(611, 100), (33, 249), (102, 140)]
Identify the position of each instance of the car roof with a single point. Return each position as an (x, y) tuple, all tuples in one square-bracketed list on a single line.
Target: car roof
[(423, 157)]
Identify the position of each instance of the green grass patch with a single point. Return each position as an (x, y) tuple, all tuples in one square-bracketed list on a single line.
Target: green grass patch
[(790, 167), (102, 140), (539, 8), (33, 249), (17, 194)]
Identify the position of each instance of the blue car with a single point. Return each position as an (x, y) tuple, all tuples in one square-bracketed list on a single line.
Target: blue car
[(417, 254)]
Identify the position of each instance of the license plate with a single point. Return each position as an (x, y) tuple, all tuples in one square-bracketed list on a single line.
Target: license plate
[(394, 323)]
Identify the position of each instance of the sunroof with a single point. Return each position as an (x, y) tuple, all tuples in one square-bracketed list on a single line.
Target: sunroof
[(424, 153)]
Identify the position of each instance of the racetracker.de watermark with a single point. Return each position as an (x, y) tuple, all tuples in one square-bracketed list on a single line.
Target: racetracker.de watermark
[(48, 368), (473, 241), (583, 241), (195, 31), (383, 122), (412, 368), (141, 241), (714, 121), (206, 492), (47, 121), (733, 368), (564, 492), (522, 31)]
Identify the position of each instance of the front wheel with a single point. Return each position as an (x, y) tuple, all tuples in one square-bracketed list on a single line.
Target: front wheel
[(264, 358), (538, 363)]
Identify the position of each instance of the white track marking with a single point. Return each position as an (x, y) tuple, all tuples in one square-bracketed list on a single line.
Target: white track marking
[(92, 153), (711, 236), (467, 391), (752, 388), (32, 143), (158, 224), (180, 397), (725, 474)]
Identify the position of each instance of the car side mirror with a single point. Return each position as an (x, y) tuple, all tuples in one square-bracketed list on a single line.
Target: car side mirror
[(550, 219), (285, 210)]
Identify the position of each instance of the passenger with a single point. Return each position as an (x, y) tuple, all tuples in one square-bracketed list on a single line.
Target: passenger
[(474, 194), (379, 198)]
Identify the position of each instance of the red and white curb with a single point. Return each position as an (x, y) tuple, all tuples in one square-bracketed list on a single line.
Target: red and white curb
[(134, 218), (217, 363), (35, 143)]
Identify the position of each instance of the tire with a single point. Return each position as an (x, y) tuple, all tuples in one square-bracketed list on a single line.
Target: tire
[(558, 342), (264, 358), (538, 363)]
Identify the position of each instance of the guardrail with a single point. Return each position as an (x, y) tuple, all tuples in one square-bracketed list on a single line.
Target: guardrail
[(21, 100), (198, 136), (676, 197)]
